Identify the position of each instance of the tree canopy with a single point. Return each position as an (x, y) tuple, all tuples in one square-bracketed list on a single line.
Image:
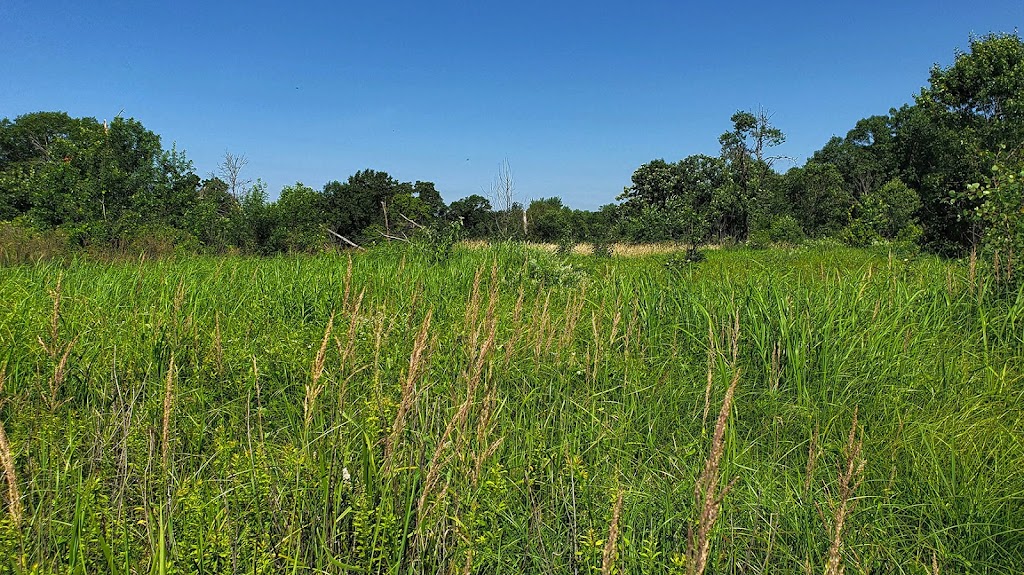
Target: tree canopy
[(940, 171)]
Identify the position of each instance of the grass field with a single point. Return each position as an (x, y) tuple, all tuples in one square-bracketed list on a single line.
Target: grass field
[(511, 411)]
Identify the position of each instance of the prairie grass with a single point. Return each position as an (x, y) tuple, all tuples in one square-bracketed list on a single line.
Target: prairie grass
[(510, 411)]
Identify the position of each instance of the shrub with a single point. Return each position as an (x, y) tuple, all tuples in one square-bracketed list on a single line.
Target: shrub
[(859, 234), (759, 239), (602, 249), (565, 246), (20, 244), (786, 230)]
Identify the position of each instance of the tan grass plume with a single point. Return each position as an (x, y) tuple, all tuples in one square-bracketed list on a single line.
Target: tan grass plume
[(850, 477), (706, 492), (7, 462)]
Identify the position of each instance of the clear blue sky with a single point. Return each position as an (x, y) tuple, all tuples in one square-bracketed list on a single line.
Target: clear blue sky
[(575, 95)]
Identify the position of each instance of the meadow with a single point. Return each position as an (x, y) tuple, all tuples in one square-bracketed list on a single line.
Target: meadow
[(509, 410)]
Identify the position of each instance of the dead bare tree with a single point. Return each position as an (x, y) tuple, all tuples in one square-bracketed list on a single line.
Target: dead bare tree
[(503, 197), (230, 170)]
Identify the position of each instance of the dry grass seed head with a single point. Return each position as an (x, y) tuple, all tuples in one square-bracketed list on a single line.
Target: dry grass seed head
[(7, 463), (850, 477), (706, 494), (706, 491), (610, 546), (165, 441), (408, 388), (316, 372)]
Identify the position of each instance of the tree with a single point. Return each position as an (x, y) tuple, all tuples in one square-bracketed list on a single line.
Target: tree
[(209, 218), (230, 171), (652, 185), (48, 162), (952, 136), (674, 201), (509, 217), (550, 220), (359, 203), (31, 138), (475, 215), (866, 157), (890, 209), (298, 220), (820, 202), (431, 198), (998, 210), (745, 150), (253, 224)]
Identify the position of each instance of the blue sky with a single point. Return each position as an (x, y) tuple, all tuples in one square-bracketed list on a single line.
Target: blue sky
[(574, 95)]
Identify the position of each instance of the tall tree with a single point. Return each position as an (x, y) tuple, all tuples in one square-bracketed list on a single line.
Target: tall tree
[(298, 219), (818, 198), (746, 151), (359, 203), (475, 215), (678, 201), (951, 137), (230, 171)]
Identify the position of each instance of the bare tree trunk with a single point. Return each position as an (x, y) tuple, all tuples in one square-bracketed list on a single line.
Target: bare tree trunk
[(503, 197), (230, 170)]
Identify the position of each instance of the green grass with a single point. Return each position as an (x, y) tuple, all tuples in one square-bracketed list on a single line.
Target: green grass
[(512, 455)]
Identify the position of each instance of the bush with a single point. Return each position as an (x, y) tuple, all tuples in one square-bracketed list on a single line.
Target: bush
[(786, 230), (156, 241), (20, 244), (438, 242), (565, 246), (759, 239), (859, 234), (679, 261), (602, 249)]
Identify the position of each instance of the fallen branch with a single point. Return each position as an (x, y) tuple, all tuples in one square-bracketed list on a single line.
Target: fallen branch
[(344, 239), (396, 238), (419, 226)]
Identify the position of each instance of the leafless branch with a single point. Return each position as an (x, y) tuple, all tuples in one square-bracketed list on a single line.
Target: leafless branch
[(344, 239), (230, 170)]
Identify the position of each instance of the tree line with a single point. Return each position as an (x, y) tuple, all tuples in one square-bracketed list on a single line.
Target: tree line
[(943, 172)]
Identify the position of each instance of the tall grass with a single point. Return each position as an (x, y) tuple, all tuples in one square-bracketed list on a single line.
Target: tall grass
[(511, 411)]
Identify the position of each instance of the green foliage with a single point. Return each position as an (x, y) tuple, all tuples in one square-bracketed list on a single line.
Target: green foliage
[(818, 198), (759, 239), (674, 201), (972, 109), (745, 150), (860, 234), (298, 220), (548, 271), (549, 220), (999, 212), (565, 246), (438, 242), (680, 261), (357, 204), (213, 217), (371, 205), (786, 230), (890, 209), (474, 214), (866, 157), (602, 248)]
